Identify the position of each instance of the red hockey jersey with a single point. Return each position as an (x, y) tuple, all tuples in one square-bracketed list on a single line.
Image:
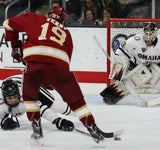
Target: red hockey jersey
[(48, 40)]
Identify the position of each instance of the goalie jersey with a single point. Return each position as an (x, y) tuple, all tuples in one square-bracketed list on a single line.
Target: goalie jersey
[(136, 50)]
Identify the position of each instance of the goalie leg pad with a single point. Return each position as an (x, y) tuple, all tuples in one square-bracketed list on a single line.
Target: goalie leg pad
[(155, 80), (139, 76), (114, 93)]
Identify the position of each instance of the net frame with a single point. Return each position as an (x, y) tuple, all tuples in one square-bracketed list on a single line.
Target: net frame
[(109, 44)]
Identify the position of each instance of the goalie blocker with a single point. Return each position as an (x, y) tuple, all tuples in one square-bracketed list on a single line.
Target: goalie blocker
[(116, 91)]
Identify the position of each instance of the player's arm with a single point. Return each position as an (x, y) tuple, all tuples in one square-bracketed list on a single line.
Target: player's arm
[(69, 45), (16, 44), (123, 60), (12, 28), (9, 122), (10, 118)]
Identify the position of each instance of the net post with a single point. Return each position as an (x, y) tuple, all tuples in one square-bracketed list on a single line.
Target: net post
[(108, 50)]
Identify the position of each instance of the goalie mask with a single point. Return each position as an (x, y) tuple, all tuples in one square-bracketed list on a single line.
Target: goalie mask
[(150, 33), (58, 13), (10, 92)]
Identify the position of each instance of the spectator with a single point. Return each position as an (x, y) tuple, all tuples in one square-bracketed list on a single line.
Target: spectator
[(124, 2), (89, 18), (73, 8), (91, 4), (114, 6), (3, 4), (35, 4), (139, 13), (40, 11), (11, 12), (127, 6), (56, 3), (157, 10), (106, 14)]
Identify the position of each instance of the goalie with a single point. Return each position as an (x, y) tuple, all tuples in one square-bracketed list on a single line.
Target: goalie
[(138, 62)]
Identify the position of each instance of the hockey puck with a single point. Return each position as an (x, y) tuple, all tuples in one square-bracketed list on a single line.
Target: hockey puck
[(117, 138)]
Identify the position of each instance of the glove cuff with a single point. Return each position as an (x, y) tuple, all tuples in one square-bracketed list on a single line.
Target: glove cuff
[(16, 44)]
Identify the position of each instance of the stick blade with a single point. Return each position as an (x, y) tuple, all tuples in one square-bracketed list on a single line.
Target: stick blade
[(153, 102), (118, 133)]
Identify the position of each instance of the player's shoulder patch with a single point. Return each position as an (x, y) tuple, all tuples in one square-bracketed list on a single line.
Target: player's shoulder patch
[(137, 38)]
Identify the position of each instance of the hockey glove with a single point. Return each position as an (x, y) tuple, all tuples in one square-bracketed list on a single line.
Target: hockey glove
[(63, 124), (110, 95), (17, 52), (9, 124)]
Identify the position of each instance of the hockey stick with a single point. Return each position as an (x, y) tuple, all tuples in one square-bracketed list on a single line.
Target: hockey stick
[(125, 80), (114, 134), (153, 102), (100, 45)]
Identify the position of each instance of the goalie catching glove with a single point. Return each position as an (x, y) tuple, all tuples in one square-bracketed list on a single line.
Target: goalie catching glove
[(17, 52), (8, 123), (63, 124)]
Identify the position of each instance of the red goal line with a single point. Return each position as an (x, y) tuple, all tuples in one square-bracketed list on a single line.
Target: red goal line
[(82, 76)]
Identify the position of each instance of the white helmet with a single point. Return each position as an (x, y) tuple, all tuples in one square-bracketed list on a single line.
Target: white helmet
[(150, 32)]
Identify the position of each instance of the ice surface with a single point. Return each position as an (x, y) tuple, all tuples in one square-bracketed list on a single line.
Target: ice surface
[(142, 129)]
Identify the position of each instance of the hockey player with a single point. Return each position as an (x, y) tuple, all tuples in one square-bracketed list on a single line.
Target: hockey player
[(137, 61), (12, 106), (47, 53)]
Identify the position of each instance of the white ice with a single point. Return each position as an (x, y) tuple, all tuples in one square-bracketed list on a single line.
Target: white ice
[(141, 125)]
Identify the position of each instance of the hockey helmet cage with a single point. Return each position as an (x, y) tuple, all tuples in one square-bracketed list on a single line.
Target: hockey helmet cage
[(150, 27), (150, 32), (10, 88), (58, 13)]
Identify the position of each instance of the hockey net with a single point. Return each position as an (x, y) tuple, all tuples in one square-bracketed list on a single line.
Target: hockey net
[(119, 30)]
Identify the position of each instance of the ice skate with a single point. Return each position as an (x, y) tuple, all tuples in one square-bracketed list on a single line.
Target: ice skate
[(37, 129), (95, 133)]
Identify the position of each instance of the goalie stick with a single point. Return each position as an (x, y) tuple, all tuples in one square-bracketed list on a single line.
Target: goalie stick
[(128, 85), (114, 134), (153, 102)]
